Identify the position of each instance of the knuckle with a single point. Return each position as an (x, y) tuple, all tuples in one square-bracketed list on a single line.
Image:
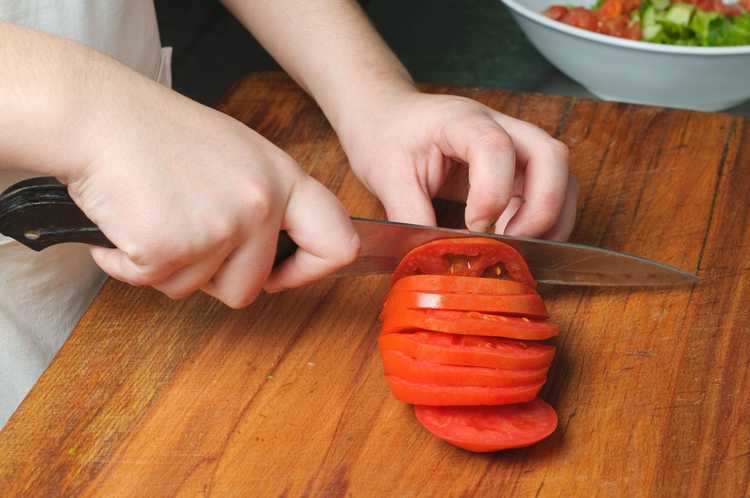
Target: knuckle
[(495, 138), (259, 203), (223, 233)]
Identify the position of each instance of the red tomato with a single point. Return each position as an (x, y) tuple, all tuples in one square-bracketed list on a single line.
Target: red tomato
[(471, 256), (489, 428), (582, 18), (467, 350), (629, 6), (529, 305), (616, 26), (556, 12), (437, 395), (610, 9), (460, 285), (467, 323), (633, 31), (404, 366)]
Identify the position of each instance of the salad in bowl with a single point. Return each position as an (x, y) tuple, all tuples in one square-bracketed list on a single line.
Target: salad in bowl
[(697, 23)]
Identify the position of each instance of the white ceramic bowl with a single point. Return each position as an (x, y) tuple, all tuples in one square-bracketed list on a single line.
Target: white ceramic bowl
[(702, 78)]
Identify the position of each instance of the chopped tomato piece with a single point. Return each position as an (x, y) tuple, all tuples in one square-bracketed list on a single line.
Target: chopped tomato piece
[(556, 12), (610, 9), (582, 18)]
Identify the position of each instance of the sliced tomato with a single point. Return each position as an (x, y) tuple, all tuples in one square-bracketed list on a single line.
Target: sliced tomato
[(528, 305), (404, 366), (466, 323), (437, 395), (461, 285), (466, 350), (470, 256), (489, 428)]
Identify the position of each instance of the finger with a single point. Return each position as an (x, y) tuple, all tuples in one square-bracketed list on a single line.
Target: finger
[(489, 152), (566, 222), (117, 264), (186, 281), (240, 278), (406, 202), (514, 205), (546, 181), (325, 236)]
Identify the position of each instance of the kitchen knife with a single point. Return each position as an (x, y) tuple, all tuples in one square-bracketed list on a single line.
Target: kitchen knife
[(39, 213)]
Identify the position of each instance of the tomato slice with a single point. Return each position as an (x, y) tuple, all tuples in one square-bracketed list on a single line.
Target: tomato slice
[(470, 256), (467, 323), (404, 366), (460, 285), (436, 395), (529, 305), (466, 350), (489, 428)]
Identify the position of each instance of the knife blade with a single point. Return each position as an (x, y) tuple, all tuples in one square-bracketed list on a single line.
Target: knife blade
[(39, 213)]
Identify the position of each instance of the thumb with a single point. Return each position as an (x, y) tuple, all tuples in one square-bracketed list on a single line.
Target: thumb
[(117, 264)]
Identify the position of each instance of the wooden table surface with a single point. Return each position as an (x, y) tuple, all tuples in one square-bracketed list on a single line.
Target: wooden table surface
[(287, 398)]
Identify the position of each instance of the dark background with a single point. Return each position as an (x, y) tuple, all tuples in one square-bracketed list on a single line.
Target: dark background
[(461, 42), (466, 42)]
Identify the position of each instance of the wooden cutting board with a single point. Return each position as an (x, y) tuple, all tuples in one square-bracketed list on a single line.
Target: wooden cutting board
[(287, 398)]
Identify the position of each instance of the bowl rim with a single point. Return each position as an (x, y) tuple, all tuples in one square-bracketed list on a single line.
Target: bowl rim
[(621, 42)]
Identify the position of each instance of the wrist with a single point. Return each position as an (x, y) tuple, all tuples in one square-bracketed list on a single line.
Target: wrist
[(356, 111)]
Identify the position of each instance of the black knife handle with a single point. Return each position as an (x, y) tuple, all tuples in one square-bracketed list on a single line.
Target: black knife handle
[(39, 213)]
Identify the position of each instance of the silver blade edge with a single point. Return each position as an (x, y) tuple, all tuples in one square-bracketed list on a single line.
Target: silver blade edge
[(384, 244)]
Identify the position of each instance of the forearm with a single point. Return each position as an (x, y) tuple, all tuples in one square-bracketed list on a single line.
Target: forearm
[(56, 96), (329, 48)]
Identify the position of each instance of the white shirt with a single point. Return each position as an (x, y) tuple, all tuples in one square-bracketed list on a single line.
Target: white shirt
[(42, 295)]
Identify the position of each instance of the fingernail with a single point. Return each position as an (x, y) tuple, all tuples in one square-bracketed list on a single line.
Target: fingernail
[(275, 291)]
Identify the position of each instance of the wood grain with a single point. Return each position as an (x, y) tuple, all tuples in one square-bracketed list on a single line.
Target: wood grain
[(286, 398)]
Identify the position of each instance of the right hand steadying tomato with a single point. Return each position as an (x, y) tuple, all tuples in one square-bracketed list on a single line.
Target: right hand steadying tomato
[(456, 341)]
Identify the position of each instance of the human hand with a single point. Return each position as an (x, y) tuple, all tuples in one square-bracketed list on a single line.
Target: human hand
[(408, 147), (194, 199)]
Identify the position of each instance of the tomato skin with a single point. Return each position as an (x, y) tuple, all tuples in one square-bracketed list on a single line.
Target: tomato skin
[(437, 395), (582, 18), (455, 284), (432, 258), (528, 305), (556, 12), (466, 323), (401, 365), (489, 428), (471, 351), (611, 9), (633, 31)]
